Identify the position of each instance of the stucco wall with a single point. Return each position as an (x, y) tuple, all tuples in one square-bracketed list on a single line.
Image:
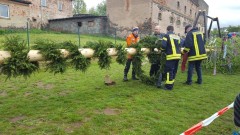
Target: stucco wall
[(89, 25), (18, 15), (38, 15), (126, 14)]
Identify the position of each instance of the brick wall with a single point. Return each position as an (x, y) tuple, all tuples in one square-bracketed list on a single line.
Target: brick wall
[(18, 15), (124, 14), (40, 15), (37, 14)]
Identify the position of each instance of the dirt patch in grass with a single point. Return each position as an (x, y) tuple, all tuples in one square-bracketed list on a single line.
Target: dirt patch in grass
[(111, 111), (41, 85), (16, 119), (73, 126), (26, 94), (3, 94), (64, 93)]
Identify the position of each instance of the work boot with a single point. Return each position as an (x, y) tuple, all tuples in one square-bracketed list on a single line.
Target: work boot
[(159, 82), (125, 78), (134, 78)]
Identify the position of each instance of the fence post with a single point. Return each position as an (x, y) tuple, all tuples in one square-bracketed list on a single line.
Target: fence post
[(28, 40)]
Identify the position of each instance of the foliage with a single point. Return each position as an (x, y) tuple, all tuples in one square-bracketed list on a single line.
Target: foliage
[(153, 57), (100, 10), (121, 55), (53, 56), (18, 64), (233, 28), (79, 7), (228, 64), (77, 60), (101, 52)]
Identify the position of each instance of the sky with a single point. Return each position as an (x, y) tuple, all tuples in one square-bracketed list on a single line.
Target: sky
[(92, 3), (227, 11)]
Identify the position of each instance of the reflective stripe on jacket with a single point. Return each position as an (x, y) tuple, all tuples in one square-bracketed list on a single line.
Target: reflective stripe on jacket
[(194, 45), (171, 46)]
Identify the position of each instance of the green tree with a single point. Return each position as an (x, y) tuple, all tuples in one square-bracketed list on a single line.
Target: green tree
[(234, 28), (100, 10), (79, 7)]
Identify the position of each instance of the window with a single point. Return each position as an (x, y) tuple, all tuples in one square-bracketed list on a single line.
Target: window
[(190, 11), (159, 16), (90, 23), (185, 9), (44, 3), (178, 22), (178, 4), (171, 19), (4, 11), (60, 6)]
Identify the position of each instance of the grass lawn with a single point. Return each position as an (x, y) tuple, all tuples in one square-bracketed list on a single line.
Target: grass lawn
[(80, 103)]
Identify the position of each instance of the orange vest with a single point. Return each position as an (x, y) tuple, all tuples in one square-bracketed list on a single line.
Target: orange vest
[(131, 40)]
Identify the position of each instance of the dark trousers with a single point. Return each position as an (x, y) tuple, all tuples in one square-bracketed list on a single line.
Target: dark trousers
[(198, 68), (127, 67), (154, 69), (171, 68)]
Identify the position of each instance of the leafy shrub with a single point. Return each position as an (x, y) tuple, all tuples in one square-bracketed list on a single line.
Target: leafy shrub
[(18, 64)]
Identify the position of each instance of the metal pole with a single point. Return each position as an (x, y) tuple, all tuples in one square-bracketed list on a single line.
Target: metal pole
[(115, 35), (210, 27), (219, 28), (79, 36), (28, 35), (205, 26)]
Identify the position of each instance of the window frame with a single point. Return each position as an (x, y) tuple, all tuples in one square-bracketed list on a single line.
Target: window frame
[(60, 4), (159, 16), (42, 3), (178, 4), (8, 11)]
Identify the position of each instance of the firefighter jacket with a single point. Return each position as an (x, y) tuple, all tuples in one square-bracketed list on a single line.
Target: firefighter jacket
[(131, 40), (171, 46), (194, 45)]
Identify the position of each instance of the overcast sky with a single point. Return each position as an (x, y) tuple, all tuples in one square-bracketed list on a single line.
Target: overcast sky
[(228, 11)]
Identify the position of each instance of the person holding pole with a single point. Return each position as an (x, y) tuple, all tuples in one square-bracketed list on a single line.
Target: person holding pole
[(195, 49), (131, 39), (156, 65), (171, 47)]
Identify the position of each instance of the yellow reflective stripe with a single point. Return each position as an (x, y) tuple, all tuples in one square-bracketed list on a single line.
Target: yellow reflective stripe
[(195, 44), (199, 57), (168, 81), (164, 38), (173, 46), (176, 56), (186, 49)]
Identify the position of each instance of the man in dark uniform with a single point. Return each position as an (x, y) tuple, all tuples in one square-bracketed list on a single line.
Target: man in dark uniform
[(194, 46), (171, 46), (156, 65)]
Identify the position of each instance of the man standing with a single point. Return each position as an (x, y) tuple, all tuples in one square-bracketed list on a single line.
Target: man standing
[(156, 65), (171, 46), (131, 40), (194, 46)]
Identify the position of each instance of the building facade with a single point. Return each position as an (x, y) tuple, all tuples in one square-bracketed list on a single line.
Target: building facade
[(86, 23), (146, 14), (16, 13)]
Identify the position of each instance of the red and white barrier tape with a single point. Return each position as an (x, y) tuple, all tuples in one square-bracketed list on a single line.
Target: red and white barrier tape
[(207, 121)]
